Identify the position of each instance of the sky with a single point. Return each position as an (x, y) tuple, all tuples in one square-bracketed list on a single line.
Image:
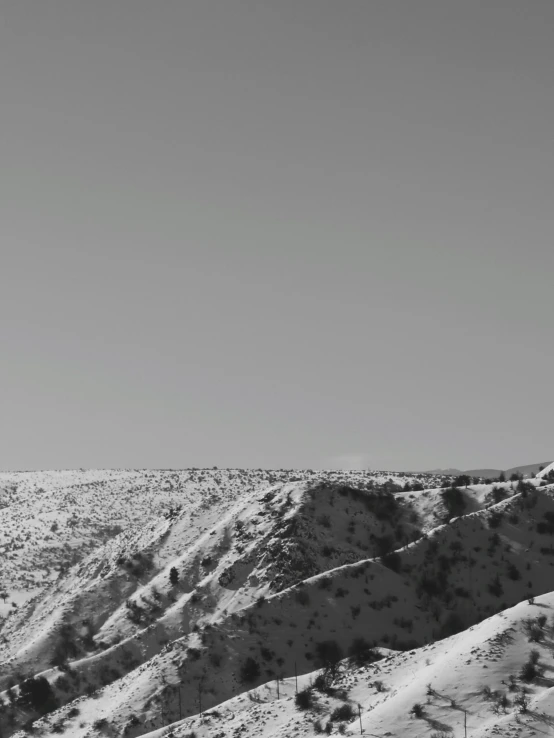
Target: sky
[(276, 233)]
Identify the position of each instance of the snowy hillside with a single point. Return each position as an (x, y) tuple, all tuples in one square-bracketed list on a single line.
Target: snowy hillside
[(478, 677), (50, 520), (235, 582)]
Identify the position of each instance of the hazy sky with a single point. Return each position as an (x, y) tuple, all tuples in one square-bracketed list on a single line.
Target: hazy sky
[(276, 233)]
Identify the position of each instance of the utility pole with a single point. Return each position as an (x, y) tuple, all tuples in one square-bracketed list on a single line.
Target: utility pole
[(360, 716), (277, 687), (200, 699), (465, 723)]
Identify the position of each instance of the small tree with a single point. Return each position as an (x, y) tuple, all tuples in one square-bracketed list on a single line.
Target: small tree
[(522, 701), (173, 576), (417, 710), (462, 481), (503, 702)]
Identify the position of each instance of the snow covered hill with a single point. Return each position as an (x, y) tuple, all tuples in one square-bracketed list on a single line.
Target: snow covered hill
[(51, 520), (214, 604), (477, 678)]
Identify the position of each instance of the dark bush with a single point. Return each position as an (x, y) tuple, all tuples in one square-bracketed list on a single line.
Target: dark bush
[(528, 672), (322, 683), (267, 653), (329, 654), (533, 631), (344, 712), (304, 699), (249, 671), (361, 652), (513, 572), (499, 494), (461, 481), (37, 694), (454, 501)]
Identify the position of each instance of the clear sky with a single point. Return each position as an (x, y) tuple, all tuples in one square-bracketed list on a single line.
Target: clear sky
[(276, 233)]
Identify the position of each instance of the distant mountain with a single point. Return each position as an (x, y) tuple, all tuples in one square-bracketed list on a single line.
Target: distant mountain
[(487, 473), (446, 472), (527, 470)]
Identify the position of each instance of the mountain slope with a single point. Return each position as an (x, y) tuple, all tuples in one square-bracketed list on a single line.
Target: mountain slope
[(259, 588), (463, 678), (52, 520)]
